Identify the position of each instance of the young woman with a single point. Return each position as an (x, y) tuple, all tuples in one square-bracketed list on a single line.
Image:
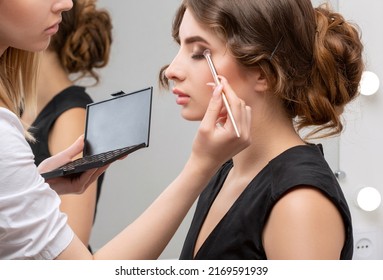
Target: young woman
[(297, 67), (77, 50), (31, 224)]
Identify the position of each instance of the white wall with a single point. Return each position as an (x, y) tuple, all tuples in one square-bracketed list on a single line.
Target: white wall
[(361, 150), (358, 151), (142, 44)]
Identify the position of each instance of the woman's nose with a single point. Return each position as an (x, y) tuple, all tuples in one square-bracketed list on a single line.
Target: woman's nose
[(62, 6), (174, 70)]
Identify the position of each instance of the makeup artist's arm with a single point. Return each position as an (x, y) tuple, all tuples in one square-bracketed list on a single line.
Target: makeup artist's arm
[(149, 234), (80, 208)]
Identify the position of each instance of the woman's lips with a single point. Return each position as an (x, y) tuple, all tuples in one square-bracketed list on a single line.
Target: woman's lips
[(53, 28), (182, 99)]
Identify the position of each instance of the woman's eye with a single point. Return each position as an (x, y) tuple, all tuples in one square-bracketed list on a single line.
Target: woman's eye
[(198, 56)]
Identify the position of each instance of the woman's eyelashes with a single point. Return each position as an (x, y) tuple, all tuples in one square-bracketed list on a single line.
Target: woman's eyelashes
[(198, 56)]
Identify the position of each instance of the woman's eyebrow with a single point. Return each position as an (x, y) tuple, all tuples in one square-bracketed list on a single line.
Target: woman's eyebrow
[(195, 39)]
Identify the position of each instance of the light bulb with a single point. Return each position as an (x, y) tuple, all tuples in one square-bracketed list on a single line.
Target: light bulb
[(368, 199), (369, 83)]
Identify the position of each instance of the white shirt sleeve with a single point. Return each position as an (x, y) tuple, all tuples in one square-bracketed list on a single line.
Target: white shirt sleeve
[(31, 224)]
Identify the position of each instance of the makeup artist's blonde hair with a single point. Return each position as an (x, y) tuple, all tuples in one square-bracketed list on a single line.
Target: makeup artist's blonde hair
[(18, 70)]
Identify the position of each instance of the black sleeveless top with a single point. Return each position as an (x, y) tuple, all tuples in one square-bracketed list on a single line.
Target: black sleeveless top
[(239, 234), (71, 97)]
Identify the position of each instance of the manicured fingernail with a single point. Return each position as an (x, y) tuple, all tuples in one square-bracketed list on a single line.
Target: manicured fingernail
[(217, 91)]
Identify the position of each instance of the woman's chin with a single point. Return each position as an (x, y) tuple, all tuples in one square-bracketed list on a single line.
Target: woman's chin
[(191, 117)]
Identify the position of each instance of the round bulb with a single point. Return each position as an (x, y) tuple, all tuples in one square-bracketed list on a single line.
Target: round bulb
[(368, 199), (369, 83)]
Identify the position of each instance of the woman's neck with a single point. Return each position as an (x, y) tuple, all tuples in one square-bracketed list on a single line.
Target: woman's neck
[(52, 79), (273, 133)]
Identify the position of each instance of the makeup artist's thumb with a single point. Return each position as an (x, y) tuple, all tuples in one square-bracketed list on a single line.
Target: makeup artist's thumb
[(62, 157), (73, 150)]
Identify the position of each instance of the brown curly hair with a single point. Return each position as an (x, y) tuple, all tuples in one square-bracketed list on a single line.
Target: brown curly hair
[(84, 39)]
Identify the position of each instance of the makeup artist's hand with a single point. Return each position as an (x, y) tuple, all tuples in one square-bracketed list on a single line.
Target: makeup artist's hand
[(70, 184), (216, 140)]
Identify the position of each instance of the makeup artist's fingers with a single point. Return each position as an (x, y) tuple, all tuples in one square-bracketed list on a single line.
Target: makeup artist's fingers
[(214, 109), (237, 107), (63, 157), (223, 112), (214, 144), (96, 174), (80, 184), (75, 184), (217, 113), (73, 150)]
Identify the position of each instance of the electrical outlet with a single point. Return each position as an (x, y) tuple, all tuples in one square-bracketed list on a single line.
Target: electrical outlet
[(366, 245), (364, 248)]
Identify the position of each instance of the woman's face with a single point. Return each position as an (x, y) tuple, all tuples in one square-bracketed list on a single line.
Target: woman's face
[(190, 72), (29, 24)]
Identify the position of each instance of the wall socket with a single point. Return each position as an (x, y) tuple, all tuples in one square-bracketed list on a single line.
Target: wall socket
[(364, 248), (367, 246)]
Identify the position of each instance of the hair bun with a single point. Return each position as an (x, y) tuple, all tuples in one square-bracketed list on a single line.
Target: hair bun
[(337, 63), (84, 40)]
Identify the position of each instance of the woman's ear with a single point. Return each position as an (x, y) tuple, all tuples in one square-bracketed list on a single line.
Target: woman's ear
[(260, 81)]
